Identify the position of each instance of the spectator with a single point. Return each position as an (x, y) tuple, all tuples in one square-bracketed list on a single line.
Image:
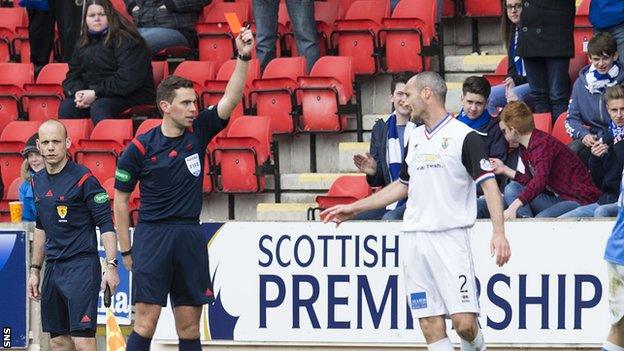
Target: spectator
[(475, 93), (587, 115), (607, 160), (301, 13), (167, 24), (33, 163), (515, 86), (608, 16), (546, 44), (382, 164), (556, 182), (110, 70), (43, 16)]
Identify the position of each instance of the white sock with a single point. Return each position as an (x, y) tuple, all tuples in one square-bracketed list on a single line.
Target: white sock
[(441, 345), (609, 346), (475, 345)]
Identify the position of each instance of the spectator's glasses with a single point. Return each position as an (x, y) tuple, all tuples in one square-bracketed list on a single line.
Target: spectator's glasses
[(516, 7)]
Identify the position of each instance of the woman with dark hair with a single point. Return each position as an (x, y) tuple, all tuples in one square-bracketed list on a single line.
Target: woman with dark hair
[(33, 163), (110, 70), (515, 86)]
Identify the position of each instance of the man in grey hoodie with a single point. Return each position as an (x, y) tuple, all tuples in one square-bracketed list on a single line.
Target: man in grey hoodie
[(587, 114)]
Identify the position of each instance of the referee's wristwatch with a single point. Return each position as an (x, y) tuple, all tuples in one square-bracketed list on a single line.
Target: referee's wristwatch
[(112, 262)]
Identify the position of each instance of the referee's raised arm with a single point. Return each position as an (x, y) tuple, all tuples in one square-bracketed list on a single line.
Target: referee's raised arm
[(236, 85)]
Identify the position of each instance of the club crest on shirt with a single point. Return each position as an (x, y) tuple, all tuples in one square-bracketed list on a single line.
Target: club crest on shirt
[(193, 165), (445, 142), (486, 165), (61, 210)]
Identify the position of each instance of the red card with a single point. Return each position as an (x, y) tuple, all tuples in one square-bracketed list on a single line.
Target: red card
[(233, 22)]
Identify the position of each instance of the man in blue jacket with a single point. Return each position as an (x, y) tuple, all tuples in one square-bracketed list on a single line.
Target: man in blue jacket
[(608, 16), (382, 164), (587, 113)]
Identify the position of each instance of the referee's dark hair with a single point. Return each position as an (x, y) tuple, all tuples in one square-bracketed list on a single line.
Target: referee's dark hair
[(477, 85), (168, 86)]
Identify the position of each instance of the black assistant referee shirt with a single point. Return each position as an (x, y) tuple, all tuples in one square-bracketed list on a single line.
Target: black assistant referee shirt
[(170, 170), (70, 204)]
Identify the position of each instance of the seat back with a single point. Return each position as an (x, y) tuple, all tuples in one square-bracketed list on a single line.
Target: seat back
[(148, 124), (241, 152), (355, 35), (11, 20), (216, 43), (344, 190), (500, 73), (581, 39), (582, 15), (328, 86), (160, 70), (109, 135), (77, 129), (559, 129), (17, 74), (196, 71), (480, 8), (12, 141), (543, 121), (53, 73), (273, 95)]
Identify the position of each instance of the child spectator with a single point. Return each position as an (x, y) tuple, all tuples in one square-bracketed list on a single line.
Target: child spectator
[(554, 180), (33, 163)]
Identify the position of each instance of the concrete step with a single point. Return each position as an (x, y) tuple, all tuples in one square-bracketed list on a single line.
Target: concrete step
[(308, 182), (472, 63), (215, 206), (283, 212), (347, 151)]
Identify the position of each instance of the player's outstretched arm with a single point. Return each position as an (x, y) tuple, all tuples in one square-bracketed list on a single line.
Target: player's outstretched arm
[(236, 85), (499, 244), (122, 221), (395, 191)]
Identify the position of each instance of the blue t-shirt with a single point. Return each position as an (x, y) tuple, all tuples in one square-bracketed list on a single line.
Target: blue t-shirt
[(27, 198), (170, 171), (69, 205), (614, 251)]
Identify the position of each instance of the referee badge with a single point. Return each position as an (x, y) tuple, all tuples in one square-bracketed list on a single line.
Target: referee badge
[(193, 165), (62, 211)]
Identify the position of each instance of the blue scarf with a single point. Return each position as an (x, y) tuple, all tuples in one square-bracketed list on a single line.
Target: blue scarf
[(475, 124), (597, 82), (94, 35), (394, 155), (518, 63), (616, 131)]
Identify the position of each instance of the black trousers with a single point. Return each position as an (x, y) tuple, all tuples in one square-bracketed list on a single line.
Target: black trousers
[(68, 16)]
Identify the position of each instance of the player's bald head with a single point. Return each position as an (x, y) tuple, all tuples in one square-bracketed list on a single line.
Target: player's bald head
[(53, 126)]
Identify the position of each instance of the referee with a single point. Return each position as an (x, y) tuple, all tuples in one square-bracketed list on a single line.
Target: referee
[(444, 161), (168, 254), (70, 203)]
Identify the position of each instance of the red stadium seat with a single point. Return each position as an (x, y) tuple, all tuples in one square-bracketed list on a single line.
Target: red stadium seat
[(407, 33), (543, 121), (160, 70), (581, 39), (582, 15), (100, 151), (241, 155), (147, 125), (77, 129), (43, 98), (196, 71), (14, 76), (356, 34), (12, 141), (13, 27), (120, 6), (448, 9), (11, 193), (500, 73), (344, 190), (579, 61), (482, 8), (559, 129), (274, 94), (328, 88), (216, 42), (216, 88)]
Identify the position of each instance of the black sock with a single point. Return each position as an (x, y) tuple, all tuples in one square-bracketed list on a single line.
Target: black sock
[(138, 343), (189, 345)]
